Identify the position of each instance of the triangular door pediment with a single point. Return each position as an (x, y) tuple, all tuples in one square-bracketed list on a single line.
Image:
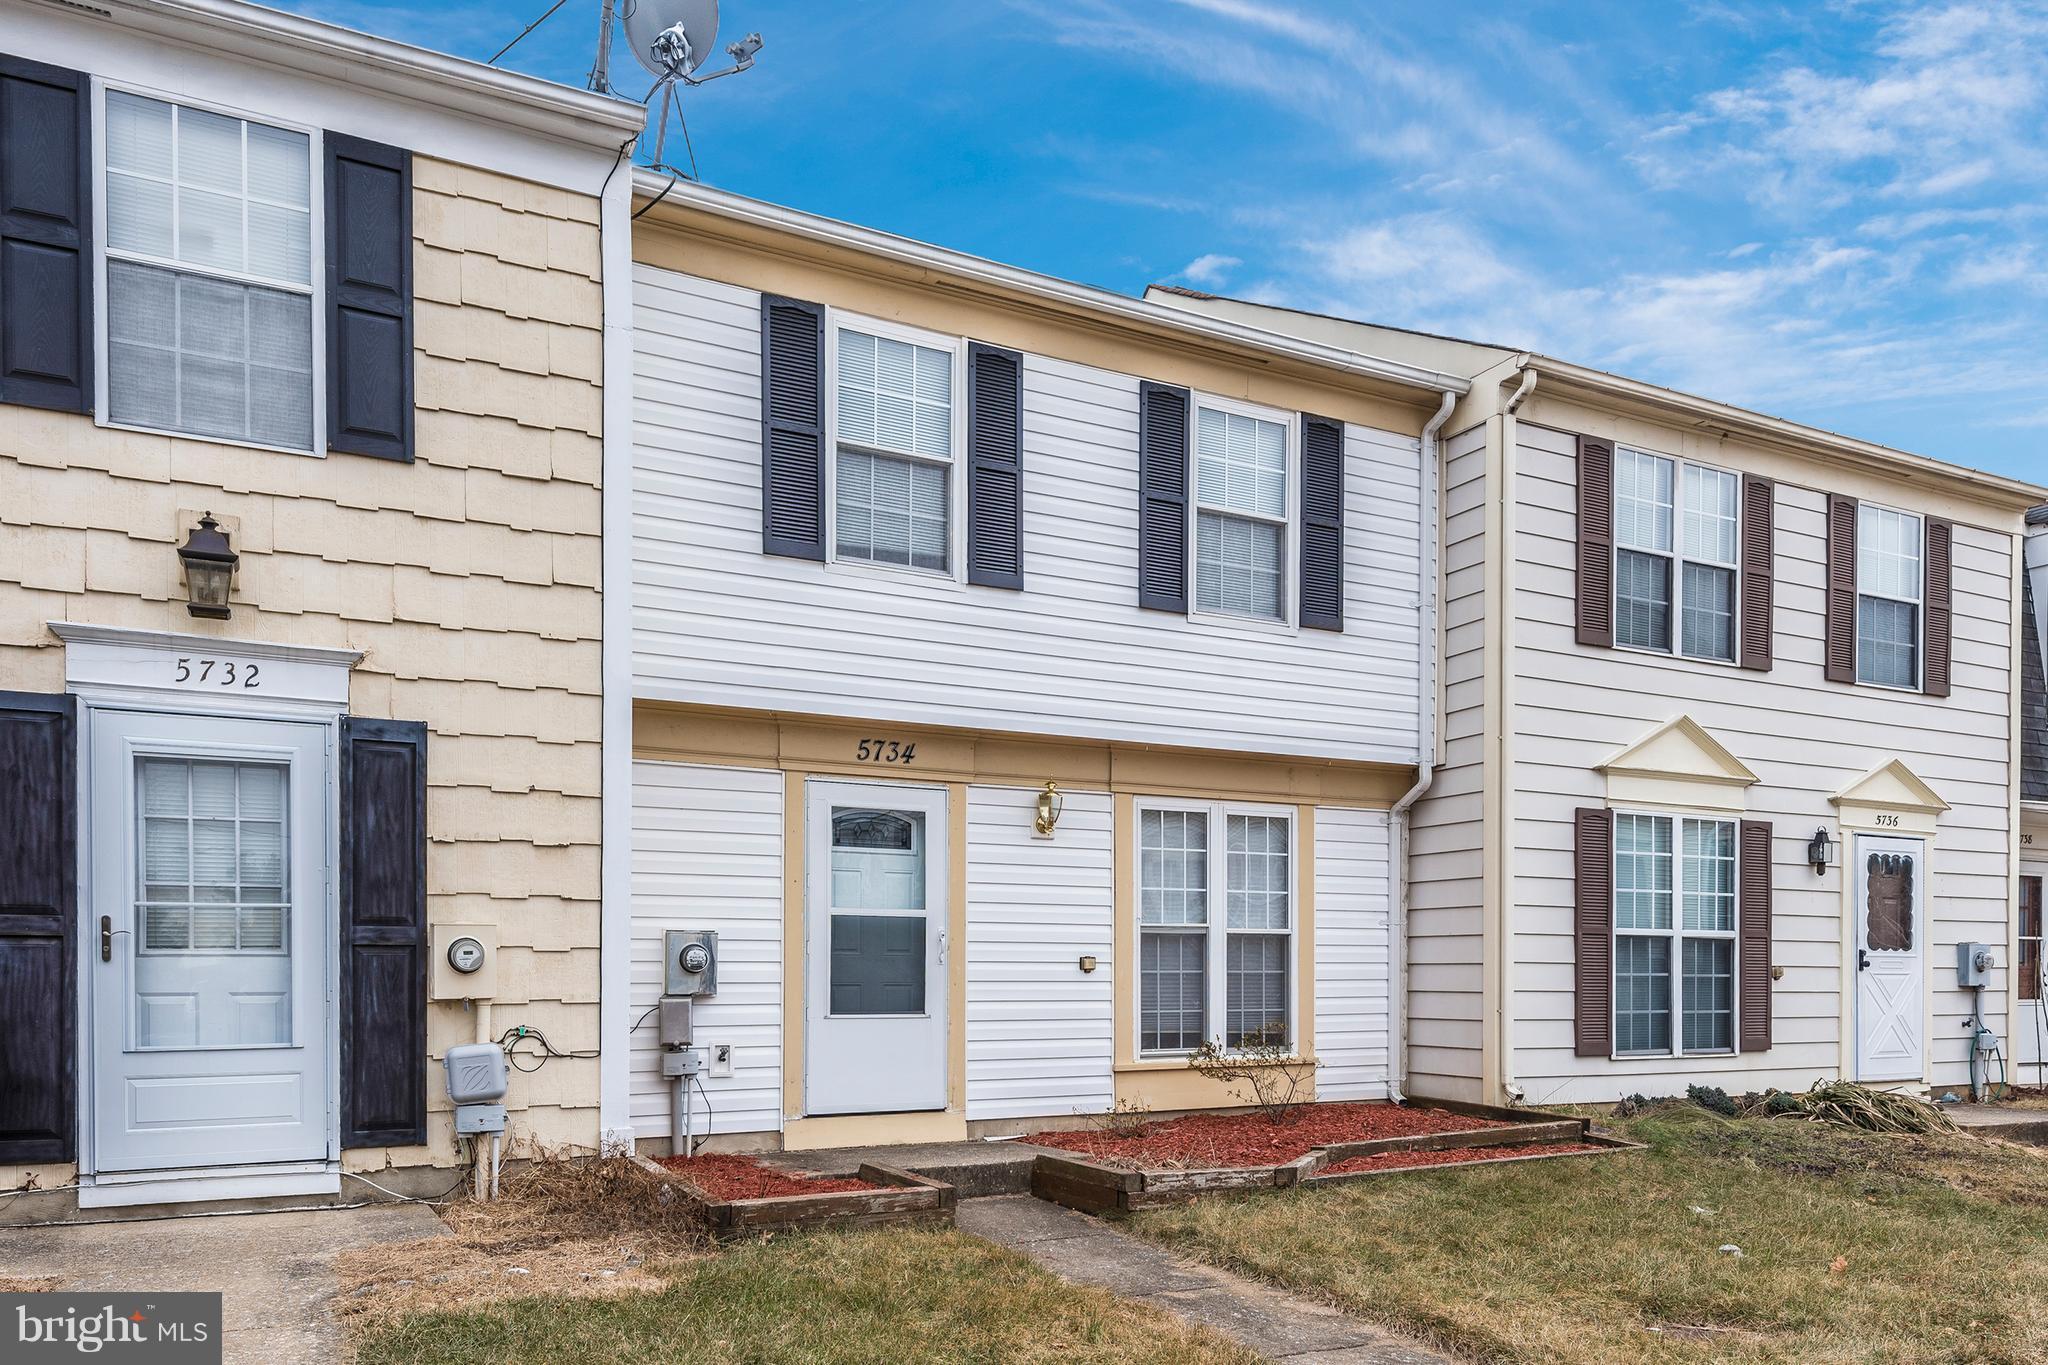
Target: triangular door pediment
[(1891, 786), (1680, 750)]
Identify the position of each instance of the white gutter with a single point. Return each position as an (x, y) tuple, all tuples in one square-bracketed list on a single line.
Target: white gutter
[(1504, 870), (1046, 289), (1428, 609)]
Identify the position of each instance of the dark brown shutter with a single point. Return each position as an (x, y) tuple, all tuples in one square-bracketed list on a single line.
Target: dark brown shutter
[(995, 467), (383, 933), (1934, 679), (38, 907), (1162, 497), (1593, 952), (1322, 523), (369, 298), (1841, 621), (792, 427), (45, 236), (1753, 925), (1596, 544), (1759, 573)]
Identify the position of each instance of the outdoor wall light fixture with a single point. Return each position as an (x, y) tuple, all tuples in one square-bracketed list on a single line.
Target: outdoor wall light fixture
[(1820, 851), (209, 569), (1050, 803)]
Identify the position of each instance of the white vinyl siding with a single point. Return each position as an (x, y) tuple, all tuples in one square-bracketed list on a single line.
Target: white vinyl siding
[(707, 854), (1039, 1029), (1354, 973), (1890, 582), (208, 264), (1073, 655)]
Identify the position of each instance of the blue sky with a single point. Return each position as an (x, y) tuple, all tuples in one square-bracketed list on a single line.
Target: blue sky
[(1833, 212)]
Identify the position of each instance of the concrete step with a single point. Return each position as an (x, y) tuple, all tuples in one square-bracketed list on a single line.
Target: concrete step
[(974, 1169)]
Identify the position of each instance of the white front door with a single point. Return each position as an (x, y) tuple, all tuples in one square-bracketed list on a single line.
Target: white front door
[(875, 948), (1890, 958), (207, 933)]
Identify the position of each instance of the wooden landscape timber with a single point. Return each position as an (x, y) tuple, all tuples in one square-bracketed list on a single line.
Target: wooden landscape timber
[(905, 1198)]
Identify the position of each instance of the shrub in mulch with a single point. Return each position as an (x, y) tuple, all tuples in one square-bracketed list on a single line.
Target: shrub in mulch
[(1395, 1161), (724, 1176), (1224, 1140)]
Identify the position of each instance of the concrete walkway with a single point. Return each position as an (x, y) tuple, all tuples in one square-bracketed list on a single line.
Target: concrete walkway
[(2007, 1121), (1278, 1326), (275, 1271)]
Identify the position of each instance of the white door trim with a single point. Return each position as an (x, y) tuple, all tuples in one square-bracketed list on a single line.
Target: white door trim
[(1889, 965)]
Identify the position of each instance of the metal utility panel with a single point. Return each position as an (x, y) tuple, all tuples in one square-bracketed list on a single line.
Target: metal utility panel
[(462, 961), (1973, 965), (689, 962), (673, 1023)]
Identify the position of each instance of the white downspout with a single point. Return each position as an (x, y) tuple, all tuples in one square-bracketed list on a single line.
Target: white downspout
[(1505, 869), (1428, 608)]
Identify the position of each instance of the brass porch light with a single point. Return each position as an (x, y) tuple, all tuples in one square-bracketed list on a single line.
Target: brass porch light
[(209, 569), (1050, 803)]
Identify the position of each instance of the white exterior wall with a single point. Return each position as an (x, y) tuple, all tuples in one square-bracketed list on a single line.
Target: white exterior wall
[(707, 854), (1039, 1029), (718, 622), (1805, 739), (1446, 944), (1353, 984)]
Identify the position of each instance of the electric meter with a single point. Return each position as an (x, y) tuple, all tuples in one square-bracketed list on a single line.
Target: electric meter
[(465, 955)]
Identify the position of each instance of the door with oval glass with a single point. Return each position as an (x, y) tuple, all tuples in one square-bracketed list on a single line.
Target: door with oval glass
[(1890, 956), (875, 948), (208, 932)]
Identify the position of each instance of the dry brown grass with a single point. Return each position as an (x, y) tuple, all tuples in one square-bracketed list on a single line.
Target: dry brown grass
[(30, 1284), (566, 1229)]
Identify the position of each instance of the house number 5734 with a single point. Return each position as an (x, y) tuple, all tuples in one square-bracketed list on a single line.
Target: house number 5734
[(218, 672), (885, 751)]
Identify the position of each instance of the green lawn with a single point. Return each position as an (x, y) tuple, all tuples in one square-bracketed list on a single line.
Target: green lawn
[(1855, 1248), (882, 1296)]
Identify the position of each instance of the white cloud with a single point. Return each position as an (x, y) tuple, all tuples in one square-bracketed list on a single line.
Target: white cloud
[(1209, 269)]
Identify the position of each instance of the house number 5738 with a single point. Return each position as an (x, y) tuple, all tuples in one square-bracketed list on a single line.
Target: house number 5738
[(219, 672), (885, 751)]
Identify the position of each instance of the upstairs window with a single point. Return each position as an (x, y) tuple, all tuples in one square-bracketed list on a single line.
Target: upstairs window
[(1677, 536), (208, 268), (1241, 510), (1890, 584), (893, 464)]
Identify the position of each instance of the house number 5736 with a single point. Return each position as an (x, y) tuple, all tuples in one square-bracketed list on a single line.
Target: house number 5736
[(219, 672), (885, 751)]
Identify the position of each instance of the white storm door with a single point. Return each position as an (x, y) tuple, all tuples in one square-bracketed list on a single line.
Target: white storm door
[(875, 948), (207, 933), (1890, 959)]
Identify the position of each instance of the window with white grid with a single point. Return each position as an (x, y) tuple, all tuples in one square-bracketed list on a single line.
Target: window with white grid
[(1677, 538), (1205, 977), (1890, 574), (211, 870), (1240, 512), (1674, 934), (893, 427), (209, 267)]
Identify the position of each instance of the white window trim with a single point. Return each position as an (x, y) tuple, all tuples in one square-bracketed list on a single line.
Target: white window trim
[(1678, 559), (316, 262), (955, 571), (1676, 936), (1919, 604), (1216, 933), (1288, 622)]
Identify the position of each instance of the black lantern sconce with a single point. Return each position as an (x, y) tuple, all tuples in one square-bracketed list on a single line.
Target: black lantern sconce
[(209, 569), (1820, 851)]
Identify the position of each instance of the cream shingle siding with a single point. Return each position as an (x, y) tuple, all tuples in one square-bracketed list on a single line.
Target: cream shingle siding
[(469, 580)]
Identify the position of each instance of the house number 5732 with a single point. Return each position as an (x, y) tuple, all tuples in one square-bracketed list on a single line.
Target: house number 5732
[(885, 751), (218, 672)]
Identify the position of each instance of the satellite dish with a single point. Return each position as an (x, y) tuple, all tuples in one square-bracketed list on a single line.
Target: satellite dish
[(647, 20)]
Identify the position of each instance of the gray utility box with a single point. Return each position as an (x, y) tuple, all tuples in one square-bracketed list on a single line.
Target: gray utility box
[(1973, 965), (477, 1081), (689, 962)]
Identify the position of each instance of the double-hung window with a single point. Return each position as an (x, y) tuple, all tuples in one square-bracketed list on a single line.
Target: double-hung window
[(1890, 582), (2029, 966), (1674, 934), (1242, 503), (209, 264), (1214, 967), (893, 461), (1677, 536)]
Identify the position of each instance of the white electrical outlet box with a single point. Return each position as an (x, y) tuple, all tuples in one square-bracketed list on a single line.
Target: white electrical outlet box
[(721, 1060), (462, 961)]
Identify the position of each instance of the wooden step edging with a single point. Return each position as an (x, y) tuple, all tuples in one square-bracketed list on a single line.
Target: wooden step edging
[(906, 1198), (1605, 1142)]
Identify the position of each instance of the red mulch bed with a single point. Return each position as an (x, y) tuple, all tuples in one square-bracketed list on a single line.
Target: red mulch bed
[(1199, 1141), (1397, 1161), (725, 1176)]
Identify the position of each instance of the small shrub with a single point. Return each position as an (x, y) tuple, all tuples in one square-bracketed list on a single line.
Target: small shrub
[(1632, 1105), (1713, 1099), (1127, 1119), (1275, 1078)]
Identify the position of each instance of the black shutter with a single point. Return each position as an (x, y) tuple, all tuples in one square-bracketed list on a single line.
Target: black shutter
[(995, 466), (383, 933), (38, 906), (1162, 497), (1940, 556), (1593, 933), (369, 298), (1759, 571), (1753, 925), (1594, 612), (1322, 523), (45, 236), (1839, 653), (792, 427)]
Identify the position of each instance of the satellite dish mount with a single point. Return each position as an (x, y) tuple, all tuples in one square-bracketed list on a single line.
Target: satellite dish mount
[(673, 39)]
